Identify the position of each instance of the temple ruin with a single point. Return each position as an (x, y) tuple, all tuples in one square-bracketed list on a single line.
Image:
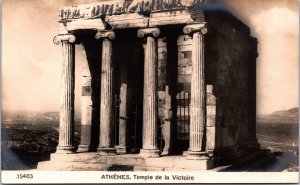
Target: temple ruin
[(166, 84)]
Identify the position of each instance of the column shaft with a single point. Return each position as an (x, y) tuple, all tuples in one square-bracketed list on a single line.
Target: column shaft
[(197, 94), (150, 114), (66, 122), (105, 141), (198, 102), (150, 104)]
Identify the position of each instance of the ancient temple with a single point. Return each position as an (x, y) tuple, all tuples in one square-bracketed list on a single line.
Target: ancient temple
[(166, 84)]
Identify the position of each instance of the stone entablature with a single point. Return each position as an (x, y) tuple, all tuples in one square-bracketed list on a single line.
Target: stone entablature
[(128, 14), (117, 7)]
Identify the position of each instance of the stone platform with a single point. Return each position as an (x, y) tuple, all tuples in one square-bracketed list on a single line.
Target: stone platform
[(129, 162)]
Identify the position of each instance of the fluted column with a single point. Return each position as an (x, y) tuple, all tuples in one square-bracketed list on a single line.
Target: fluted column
[(66, 121), (86, 104), (150, 99), (106, 120), (198, 92)]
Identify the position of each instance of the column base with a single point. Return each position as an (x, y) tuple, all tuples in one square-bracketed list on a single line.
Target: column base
[(65, 149), (185, 153), (149, 153), (107, 151), (195, 155), (121, 149), (83, 148)]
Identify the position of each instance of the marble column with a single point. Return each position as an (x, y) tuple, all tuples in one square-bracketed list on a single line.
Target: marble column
[(106, 146), (66, 121), (86, 104), (150, 99), (198, 92)]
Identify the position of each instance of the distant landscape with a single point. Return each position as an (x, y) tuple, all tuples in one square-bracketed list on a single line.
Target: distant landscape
[(290, 115), (279, 131), (27, 138)]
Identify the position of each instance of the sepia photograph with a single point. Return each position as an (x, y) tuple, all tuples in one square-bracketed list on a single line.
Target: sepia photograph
[(150, 91)]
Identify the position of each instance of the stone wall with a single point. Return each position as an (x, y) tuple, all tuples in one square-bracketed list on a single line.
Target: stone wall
[(231, 69)]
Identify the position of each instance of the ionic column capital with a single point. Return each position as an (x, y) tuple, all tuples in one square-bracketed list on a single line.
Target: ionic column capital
[(106, 34), (192, 28), (70, 38), (148, 32)]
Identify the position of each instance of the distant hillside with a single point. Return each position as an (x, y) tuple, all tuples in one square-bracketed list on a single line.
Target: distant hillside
[(291, 115), (31, 116)]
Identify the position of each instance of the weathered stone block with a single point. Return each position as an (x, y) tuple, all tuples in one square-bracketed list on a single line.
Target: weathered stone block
[(210, 99), (210, 138), (161, 86), (86, 81), (92, 157), (162, 49), (184, 40), (162, 69), (86, 91), (180, 55), (86, 100), (161, 112), (162, 62), (188, 70), (162, 56), (184, 78), (161, 45), (170, 17), (209, 89), (211, 120), (127, 20), (86, 115), (193, 164), (161, 95), (126, 160), (162, 162), (82, 24), (184, 61), (185, 53), (181, 71)]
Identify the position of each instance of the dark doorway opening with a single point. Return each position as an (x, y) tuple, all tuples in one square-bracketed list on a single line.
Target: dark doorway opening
[(129, 65)]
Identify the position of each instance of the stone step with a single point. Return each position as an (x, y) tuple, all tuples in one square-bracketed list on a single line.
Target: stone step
[(71, 166), (126, 162), (90, 157), (130, 160), (178, 162)]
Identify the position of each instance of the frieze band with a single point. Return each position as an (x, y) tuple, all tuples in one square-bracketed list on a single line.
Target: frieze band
[(121, 6)]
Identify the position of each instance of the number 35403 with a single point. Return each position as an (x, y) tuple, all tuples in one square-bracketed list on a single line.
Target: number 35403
[(24, 176)]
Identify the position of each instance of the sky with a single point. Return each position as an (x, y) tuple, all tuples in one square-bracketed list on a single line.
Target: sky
[(31, 62)]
